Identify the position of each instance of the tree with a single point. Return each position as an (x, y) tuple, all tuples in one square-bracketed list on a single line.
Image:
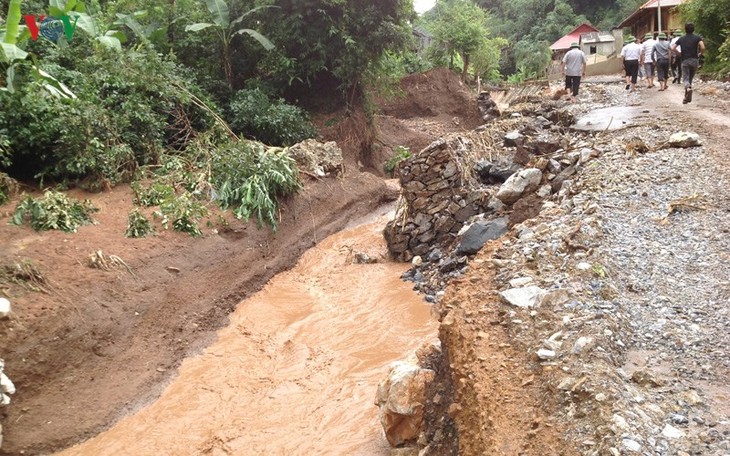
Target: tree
[(460, 27), (335, 39), (711, 19), (227, 30)]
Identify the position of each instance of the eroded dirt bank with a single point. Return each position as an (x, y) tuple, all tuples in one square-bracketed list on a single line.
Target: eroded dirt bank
[(102, 344)]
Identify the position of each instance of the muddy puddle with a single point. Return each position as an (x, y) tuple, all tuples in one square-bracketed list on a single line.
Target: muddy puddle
[(296, 370), (613, 118)]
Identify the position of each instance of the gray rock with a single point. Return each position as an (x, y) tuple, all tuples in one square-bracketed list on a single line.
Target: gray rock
[(513, 138), (685, 139), (672, 432), (479, 233), (523, 296), (519, 184), (546, 354), (631, 445)]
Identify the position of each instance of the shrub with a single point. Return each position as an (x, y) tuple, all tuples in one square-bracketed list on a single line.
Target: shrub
[(273, 122), (138, 225), (183, 213), (154, 195), (121, 119), (400, 153), (8, 186), (54, 211), (250, 178)]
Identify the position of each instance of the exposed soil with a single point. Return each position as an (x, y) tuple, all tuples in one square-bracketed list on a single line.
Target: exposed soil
[(94, 346), (98, 345)]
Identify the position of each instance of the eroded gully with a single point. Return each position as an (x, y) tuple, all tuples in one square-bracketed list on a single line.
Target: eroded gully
[(296, 370)]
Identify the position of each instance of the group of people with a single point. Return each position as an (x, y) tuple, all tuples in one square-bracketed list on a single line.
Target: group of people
[(678, 57)]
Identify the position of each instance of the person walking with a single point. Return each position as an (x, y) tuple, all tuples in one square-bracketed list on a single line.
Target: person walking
[(689, 47), (676, 64), (630, 55), (647, 61), (660, 55), (574, 66)]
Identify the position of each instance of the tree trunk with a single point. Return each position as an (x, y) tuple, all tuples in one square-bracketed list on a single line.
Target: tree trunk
[(465, 72)]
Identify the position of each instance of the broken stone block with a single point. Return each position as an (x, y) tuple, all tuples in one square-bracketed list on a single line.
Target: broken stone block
[(519, 184), (479, 233), (401, 398)]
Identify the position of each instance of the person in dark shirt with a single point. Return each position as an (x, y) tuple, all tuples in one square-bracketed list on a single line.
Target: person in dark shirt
[(692, 46)]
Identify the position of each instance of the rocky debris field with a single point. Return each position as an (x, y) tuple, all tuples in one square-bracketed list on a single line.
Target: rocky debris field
[(585, 301)]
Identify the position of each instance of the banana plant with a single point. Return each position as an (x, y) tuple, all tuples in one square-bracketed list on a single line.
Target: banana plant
[(227, 29), (11, 56)]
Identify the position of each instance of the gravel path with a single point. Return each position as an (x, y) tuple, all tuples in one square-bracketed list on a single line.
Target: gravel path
[(665, 219), (633, 340)]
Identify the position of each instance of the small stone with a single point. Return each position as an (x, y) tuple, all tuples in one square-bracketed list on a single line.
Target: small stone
[(5, 308), (685, 139), (581, 344), (546, 354), (631, 445), (583, 266), (646, 377), (363, 258), (672, 432), (417, 261), (520, 282), (600, 397), (679, 419)]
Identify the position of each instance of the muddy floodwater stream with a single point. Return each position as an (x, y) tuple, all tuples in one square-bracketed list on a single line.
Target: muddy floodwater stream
[(296, 370)]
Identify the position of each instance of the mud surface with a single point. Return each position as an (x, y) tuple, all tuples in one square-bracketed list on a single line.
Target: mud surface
[(295, 370)]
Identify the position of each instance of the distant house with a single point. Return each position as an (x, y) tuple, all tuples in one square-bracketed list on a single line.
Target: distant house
[(646, 19), (562, 46), (601, 43)]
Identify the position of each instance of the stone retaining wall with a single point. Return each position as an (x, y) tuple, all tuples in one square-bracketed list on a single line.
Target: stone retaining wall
[(436, 199)]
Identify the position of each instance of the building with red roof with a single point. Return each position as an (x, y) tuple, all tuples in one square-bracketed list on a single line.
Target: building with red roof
[(563, 44)]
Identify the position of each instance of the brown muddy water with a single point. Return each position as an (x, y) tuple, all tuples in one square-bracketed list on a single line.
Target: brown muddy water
[(296, 370)]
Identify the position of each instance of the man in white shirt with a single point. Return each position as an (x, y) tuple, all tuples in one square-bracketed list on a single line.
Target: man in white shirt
[(630, 55), (574, 66), (647, 61)]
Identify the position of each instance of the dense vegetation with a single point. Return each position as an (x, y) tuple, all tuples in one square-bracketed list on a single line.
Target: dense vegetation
[(157, 89)]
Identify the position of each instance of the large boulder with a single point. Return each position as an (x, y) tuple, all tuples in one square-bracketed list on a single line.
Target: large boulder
[(317, 158), (479, 233), (401, 398), (519, 184)]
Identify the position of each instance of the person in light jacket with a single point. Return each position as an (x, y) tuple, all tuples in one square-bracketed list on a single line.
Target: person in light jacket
[(574, 67)]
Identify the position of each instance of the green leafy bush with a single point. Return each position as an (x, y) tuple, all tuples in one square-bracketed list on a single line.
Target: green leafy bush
[(183, 213), (138, 225), (154, 195), (250, 178), (54, 211), (273, 122), (399, 154), (121, 119)]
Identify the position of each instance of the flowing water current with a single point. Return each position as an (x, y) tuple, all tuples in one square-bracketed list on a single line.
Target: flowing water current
[(296, 370)]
